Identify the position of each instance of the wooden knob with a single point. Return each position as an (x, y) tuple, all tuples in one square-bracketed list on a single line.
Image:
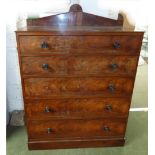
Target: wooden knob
[(44, 45), (106, 129), (108, 107), (117, 45), (114, 66), (111, 88), (47, 109), (49, 130), (45, 66)]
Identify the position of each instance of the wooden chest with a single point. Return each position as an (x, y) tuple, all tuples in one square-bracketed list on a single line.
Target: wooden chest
[(77, 76)]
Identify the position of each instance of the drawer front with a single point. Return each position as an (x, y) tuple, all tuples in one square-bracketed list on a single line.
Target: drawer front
[(123, 44), (44, 65), (76, 128), (103, 65), (67, 87), (77, 108), (80, 65)]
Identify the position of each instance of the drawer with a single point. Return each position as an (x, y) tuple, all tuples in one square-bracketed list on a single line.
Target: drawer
[(66, 128), (44, 66), (67, 87), (77, 108), (103, 65), (80, 65), (107, 44)]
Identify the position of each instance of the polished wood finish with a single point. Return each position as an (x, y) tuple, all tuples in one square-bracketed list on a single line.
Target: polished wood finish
[(77, 73), (76, 108), (79, 65), (75, 143), (82, 44), (76, 30), (75, 17), (55, 87), (67, 128)]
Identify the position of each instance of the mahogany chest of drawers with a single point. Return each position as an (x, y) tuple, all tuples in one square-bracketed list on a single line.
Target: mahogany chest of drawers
[(77, 72)]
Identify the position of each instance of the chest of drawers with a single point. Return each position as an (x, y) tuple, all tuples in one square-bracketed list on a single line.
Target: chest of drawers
[(77, 76)]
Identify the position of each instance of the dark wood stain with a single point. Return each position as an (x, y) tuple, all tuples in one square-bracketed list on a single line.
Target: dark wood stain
[(81, 44), (76, 108), (76, 128), (80, 65), (75, 16), (50, 87), (77, 73)]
